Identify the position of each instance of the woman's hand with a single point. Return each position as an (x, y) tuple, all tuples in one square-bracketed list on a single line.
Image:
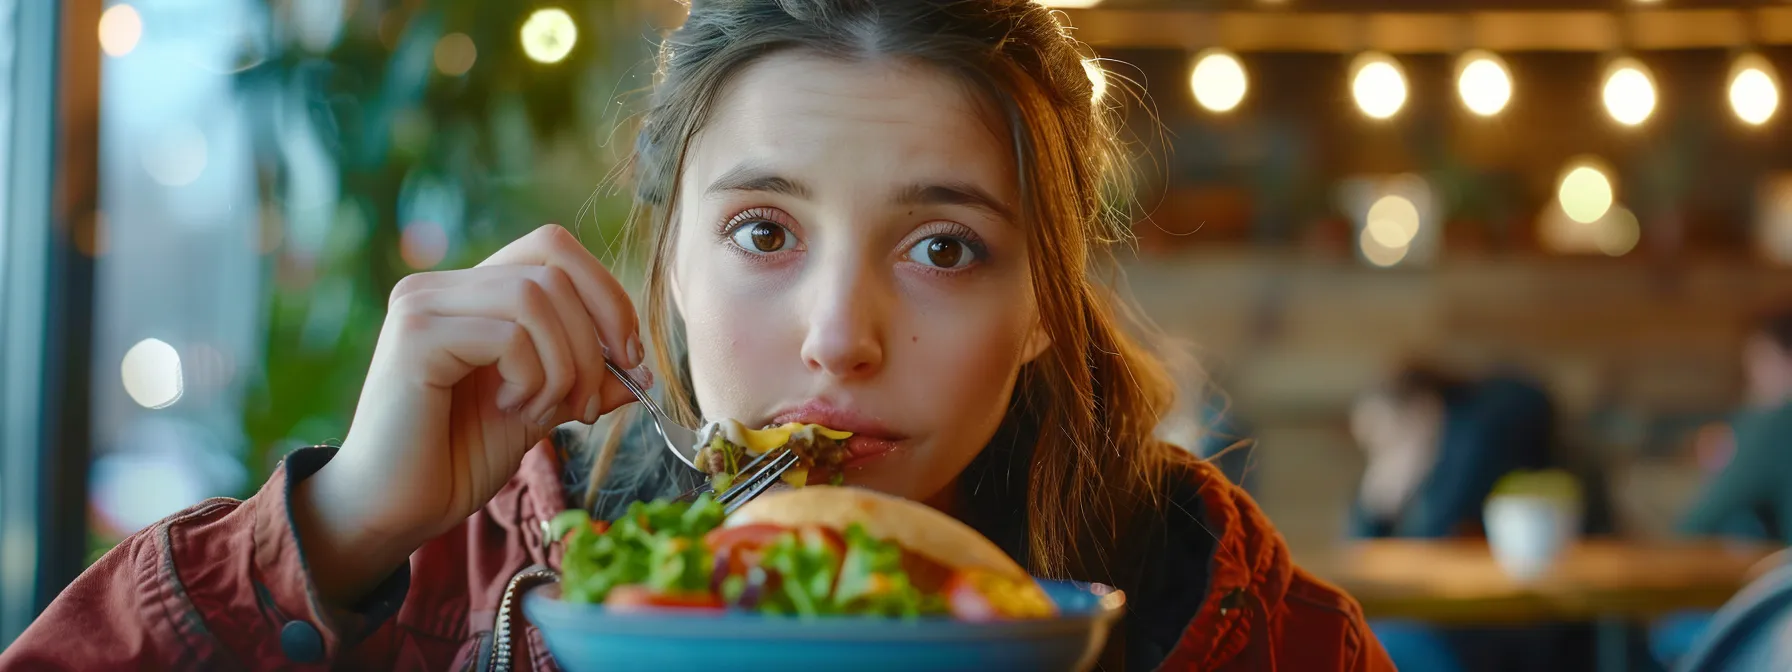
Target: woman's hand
[(473, 368)]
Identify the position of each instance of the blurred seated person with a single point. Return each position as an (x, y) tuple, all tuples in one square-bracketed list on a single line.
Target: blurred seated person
[(1749, 495), (1435, 445), (1752, 490)]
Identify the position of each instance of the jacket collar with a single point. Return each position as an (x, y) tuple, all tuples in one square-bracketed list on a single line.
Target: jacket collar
[(1248, 575)]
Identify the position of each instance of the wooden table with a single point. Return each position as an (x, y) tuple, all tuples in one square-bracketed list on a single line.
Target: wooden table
[(1610, 582)]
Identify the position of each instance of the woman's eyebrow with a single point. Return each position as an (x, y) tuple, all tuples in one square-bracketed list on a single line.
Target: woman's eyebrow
[(755, 177), (955, 193)]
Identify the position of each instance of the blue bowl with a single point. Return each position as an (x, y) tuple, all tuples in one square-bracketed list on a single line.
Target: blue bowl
[(587, 638)]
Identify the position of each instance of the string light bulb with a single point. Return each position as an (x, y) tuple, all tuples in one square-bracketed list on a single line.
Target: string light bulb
[(1378, 84), (1629, 92), (1754, 89), (1218, 80), (1484, 82)]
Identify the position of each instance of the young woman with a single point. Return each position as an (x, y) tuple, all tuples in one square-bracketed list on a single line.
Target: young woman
[(877, 216)]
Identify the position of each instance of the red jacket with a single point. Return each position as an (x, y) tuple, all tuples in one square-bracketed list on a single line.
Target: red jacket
[(223, 585)]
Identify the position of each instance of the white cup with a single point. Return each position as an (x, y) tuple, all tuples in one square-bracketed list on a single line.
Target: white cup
[(1527, 533)]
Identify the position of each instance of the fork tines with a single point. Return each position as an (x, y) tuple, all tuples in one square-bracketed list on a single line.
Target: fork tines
[(752, 483)]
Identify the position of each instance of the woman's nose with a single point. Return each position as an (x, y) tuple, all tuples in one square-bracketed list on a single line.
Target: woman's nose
[(845, 336)]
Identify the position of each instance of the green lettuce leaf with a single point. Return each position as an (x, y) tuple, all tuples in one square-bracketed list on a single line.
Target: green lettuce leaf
[(659, 544)]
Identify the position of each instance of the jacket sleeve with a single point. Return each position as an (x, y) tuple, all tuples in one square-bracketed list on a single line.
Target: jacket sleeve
[(1371, 656), (220, 585)]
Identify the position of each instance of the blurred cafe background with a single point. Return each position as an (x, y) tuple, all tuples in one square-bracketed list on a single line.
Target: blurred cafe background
[(1477, 297)]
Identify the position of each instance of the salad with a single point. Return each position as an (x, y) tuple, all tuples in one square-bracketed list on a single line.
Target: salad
[(677, 555)]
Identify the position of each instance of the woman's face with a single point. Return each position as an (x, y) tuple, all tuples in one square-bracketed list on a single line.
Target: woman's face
[(847, 253)]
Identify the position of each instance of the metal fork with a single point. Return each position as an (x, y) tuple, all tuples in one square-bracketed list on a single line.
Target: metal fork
[(752, 480)]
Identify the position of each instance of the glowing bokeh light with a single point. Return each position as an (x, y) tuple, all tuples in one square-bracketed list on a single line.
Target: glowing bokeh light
[(151, 374), (1378, 254), (455, 54), (549, 35), (1585, 192), (1484, 83), (1618, 232), (1378, 85), (1754, 90), (1629, 92), (121, 28), (1393, 221), (1218, 80)]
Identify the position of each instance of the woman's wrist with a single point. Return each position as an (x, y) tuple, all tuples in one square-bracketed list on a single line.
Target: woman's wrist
[(345, 549)]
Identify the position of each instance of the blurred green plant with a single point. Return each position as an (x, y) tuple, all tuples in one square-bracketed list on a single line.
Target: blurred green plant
[(419, 135), (1554, 484)]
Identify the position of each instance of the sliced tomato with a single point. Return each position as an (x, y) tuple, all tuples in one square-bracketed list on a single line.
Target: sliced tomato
[(741, 545), (726, 539), (966, 602), (641, 598), (597, 527)]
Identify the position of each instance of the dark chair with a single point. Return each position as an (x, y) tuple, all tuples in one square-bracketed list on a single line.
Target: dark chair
[(1753, 631)]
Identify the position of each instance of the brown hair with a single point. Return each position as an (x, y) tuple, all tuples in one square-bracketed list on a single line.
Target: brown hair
[(1080, 424)]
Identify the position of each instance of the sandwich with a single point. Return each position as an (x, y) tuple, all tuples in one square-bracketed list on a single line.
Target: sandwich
[(815, 552)]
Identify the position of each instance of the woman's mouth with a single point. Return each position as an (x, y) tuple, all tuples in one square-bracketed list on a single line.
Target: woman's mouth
[(870, 439), (862, 450)]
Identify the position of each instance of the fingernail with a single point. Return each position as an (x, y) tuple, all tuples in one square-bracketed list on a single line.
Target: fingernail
[(511, 398), (634, 350), (547, 417), (591, 410), (643, 376)]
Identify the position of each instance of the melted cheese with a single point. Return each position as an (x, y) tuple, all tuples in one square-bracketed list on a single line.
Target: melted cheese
[(758, 441)]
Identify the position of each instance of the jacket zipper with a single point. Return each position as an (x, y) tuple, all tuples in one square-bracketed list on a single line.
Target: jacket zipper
[(502, 646)]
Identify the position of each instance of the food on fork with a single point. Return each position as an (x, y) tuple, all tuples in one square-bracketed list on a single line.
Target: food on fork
[(818, 551), (724, 447)]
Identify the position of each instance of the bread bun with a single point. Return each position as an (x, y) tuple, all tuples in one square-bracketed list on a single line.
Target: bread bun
[(916, 527)]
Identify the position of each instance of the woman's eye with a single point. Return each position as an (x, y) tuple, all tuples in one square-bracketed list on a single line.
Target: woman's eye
[(763, 237), (942, 252)]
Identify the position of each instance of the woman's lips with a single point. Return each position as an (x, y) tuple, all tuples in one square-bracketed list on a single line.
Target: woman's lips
[(864, 449)]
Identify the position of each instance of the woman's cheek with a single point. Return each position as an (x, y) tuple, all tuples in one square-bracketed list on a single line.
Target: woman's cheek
[(728, 334)]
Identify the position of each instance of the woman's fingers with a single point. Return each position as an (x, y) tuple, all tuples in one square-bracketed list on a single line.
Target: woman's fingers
[(524, 303), (453, 346), (603, 296), (587, 399)]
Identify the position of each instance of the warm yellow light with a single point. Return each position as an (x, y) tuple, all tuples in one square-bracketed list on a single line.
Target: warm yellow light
[(1379, 254), (1070, 4), (1754, 93), (121, 27), (1484, 83), (455, 54), (1629, 92), (1218, 80), (1393, 221), (548, 35), (1585, 192), (1098, 79), (1378, 85)]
